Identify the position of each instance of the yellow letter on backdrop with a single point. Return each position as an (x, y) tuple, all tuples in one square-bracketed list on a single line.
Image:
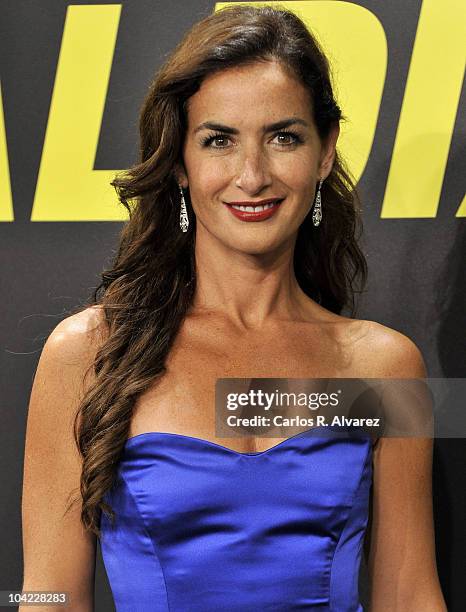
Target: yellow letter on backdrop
[(428, 113), (68, 188), (6, 203)]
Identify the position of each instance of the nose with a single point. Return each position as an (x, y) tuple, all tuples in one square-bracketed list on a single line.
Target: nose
[(253, 174)]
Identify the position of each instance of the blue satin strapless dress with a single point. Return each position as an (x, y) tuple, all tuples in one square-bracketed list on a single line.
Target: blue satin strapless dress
[(203, 528)]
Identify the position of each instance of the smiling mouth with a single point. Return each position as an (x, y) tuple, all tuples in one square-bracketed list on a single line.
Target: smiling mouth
[(256, 208), (255, 211)]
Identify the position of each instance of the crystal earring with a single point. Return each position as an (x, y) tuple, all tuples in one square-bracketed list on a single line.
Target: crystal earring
[(184, 220), (317, 212)]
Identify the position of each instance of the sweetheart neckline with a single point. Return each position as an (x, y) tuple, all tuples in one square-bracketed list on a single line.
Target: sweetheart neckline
[(204, 442)]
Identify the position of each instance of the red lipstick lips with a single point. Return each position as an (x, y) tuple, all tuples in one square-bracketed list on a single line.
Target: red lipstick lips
[(255, 211)]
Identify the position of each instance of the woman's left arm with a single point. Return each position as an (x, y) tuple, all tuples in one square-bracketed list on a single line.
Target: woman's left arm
[(401, 555)]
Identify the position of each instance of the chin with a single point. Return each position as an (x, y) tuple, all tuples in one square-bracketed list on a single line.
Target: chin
[(251, 247)]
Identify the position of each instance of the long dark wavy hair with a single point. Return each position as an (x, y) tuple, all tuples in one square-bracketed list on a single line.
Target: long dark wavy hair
[(149, 289)]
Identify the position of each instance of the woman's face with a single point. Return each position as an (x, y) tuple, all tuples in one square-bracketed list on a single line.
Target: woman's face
[(251, 137)]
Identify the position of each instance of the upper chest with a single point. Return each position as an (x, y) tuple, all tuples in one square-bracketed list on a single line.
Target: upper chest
[(183, 400)]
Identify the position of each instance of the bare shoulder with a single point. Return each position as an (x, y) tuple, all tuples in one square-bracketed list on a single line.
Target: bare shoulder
[(63, 373), (384, 352), (80, 333), (74, 341), (377, 351)]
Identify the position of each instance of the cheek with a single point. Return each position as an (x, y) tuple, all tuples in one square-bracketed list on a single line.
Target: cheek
[(297, 172), (207, 176)]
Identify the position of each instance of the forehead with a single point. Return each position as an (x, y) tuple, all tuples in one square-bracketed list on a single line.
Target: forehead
[(249, 93)]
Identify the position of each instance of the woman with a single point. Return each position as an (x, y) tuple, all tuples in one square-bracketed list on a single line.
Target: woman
[(238, 258)]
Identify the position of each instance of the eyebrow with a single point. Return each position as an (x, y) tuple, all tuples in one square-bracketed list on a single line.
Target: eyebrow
[(272, 127)]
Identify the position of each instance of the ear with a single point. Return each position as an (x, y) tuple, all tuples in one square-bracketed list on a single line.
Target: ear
[(327, 155), (180, 175)]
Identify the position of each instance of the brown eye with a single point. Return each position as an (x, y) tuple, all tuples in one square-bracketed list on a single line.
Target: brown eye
[(288, 138), (285, 137), (220, 140)]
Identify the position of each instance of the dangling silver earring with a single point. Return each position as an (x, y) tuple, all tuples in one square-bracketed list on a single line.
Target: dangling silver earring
[(184, 220), (317, 212)]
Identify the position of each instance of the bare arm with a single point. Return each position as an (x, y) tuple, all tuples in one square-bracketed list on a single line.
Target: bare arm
[(59, 555), (401, 561)]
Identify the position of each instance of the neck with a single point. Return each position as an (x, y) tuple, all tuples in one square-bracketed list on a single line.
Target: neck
[(248, 289)]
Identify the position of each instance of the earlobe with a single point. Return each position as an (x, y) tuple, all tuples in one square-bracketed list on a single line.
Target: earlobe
[(180, 176)]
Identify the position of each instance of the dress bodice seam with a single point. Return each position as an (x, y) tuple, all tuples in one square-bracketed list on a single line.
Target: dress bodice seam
[(146, 530), (365, 466)]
